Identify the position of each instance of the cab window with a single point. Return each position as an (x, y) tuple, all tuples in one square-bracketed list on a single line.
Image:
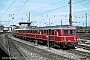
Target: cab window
[(65, 31), (72, 31)]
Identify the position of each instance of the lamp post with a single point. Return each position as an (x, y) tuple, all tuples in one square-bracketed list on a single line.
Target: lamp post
[(86, 19)]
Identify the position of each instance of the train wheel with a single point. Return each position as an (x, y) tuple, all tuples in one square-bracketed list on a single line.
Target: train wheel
[(64, 47), (72, 47), (51, 44), (59, 46), (36, 42)]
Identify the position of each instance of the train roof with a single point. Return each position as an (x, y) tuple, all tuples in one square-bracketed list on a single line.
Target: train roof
[(49, 27)]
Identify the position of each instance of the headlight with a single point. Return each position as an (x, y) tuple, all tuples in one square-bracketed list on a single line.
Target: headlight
[(78, 39), (64, 38)]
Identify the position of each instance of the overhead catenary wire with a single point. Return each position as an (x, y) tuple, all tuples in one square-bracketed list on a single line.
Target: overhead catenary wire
[(82, 5), (85, 4), (8, 8), (39, 14), (4, 5), (50, 10), (64, 15), (46, 6), (26, 2), (58, 8), (54, 16), (4, 14), (21, 8)]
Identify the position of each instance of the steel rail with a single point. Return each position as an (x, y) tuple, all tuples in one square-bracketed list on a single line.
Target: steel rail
[(20, 51), (6, 49), (17, 48)]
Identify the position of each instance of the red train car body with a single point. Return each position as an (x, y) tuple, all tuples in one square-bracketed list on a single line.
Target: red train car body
[(83, 31), (61, 36)]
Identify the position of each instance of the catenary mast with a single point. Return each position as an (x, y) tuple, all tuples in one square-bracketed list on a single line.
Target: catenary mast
[(70, 12)]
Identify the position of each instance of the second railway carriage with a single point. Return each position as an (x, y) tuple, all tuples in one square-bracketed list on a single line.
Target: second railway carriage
[(83, 31), (61, 36)]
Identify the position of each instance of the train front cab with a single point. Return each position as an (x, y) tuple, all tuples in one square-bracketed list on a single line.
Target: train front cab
[(69, 38)]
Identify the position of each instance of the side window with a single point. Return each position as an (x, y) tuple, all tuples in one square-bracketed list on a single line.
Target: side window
[(28, 31), (65, 31), (72, 31), (46, 32), (42, 31), (35, 32), (52, 32)]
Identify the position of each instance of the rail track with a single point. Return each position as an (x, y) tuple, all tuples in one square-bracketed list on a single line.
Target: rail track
[(5, 48), (41, 50), (81, 50), (87, 47), (43, 53), (85, 41), (84, 36), (84, 55), (12, 49)]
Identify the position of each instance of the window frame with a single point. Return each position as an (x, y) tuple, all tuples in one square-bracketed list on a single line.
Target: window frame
[(65, 32), (73, 32)]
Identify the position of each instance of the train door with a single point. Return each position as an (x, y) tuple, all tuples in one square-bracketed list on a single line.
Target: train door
[(52, 36), (46, 34), (40, 34), (56, 35)]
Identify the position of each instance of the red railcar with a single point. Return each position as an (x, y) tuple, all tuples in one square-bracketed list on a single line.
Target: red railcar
[(83, 31), (61, 36)]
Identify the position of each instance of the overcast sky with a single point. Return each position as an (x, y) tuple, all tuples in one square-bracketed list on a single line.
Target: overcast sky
[(44, 11)]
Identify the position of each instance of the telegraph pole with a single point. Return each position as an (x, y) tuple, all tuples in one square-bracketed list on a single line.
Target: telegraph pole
[(29, 20), (61, 22), (48, 39), (70, 13), (29, 17), (83, 24), (86, 19)]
